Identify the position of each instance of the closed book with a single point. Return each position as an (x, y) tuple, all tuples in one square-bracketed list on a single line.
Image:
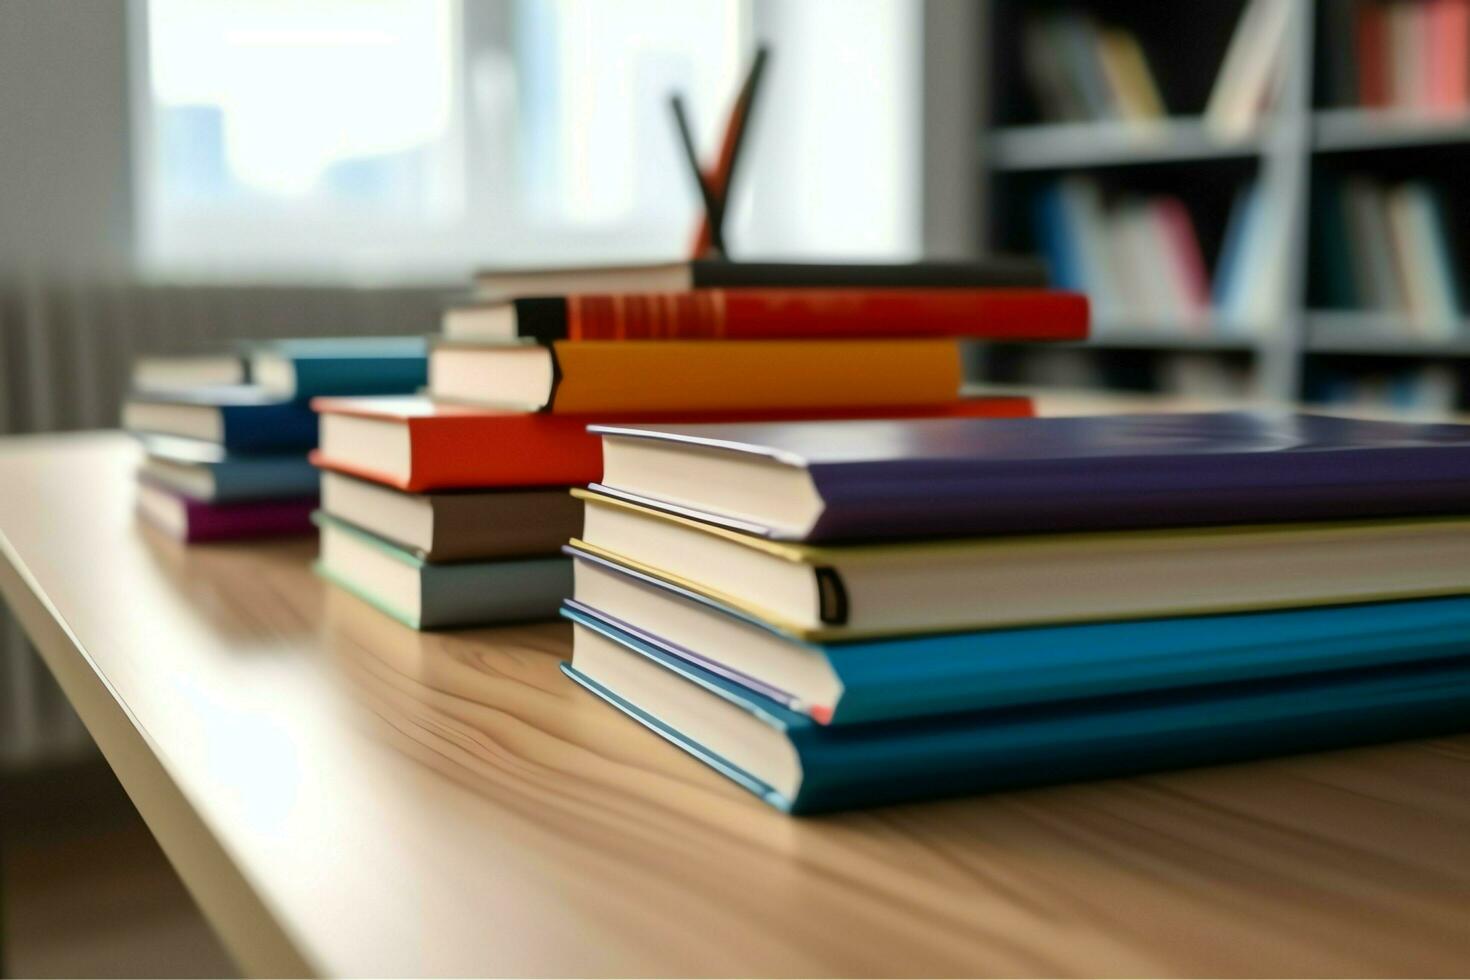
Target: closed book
[(799, 766), (787, 314), (241, 418), (934, 585), (1449, 47), (1371, 21), (456, 526), (205, 471), (192, 520), (608, 376), (914, 676), (431, 595), (1001, 270), (852, 480), (416, 444), (302, 369), (168, 372)]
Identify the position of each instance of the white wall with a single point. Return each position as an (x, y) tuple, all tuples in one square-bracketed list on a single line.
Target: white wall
[(65, 186)]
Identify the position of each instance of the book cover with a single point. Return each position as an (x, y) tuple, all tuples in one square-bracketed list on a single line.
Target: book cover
[(806, 314), (193, 520), (305, 368), (918, 477), (992, 271), (444, 594), (601, 377), (936, 674), (457, 446), (241, 418), (840, 768)]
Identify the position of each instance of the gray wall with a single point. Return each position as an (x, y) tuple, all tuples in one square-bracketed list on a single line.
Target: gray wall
[(65, 184)]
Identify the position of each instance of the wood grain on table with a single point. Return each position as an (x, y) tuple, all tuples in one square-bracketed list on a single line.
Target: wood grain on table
[(346, 796)]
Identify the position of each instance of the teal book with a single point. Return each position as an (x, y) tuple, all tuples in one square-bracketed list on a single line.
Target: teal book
[(306, 368), (433, 595), (861, 681), (799, 766)]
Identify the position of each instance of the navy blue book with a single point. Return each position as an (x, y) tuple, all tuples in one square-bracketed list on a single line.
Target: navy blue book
[(843, 683), (305, 368), (849, 480), (239, 418), (799, 766), (206, 471)]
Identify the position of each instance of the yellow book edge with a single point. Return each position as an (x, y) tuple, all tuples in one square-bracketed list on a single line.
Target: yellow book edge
[(945, 547), (839, 634)]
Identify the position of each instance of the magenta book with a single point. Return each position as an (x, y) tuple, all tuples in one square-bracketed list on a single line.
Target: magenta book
[(197, 520)]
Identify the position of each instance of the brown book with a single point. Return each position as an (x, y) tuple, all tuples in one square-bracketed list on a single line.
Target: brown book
[(457, 526)]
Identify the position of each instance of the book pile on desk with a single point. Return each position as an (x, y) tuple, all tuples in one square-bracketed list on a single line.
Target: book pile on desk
[(450, 508), (847, 613), (226, 436)]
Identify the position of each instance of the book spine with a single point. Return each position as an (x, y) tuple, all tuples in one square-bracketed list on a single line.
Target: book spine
[(1372, 40), (273, 428), (796, 314), (542, 318), (215, 522), (606, 377)]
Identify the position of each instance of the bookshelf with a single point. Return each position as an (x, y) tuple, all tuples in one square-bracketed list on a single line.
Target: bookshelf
[(1308, 140)]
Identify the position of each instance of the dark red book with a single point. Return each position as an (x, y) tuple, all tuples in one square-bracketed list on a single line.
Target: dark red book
[(797, 314), (1372, 43), (197, 520)]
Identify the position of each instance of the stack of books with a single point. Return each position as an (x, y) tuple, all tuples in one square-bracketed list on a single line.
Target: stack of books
[(847, 613), (451, 509), (226, 436)]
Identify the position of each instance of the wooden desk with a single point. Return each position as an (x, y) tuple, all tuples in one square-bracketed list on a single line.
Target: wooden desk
[(346, 796)]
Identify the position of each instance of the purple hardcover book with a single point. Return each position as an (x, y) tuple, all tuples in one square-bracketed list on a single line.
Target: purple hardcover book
[(834, 481), (197, 520)]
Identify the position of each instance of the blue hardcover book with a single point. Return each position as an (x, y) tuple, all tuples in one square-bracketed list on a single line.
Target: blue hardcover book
[(1055, 236), (303, 369), (800, 766), (917, 676), (205, 471), (240, 418)]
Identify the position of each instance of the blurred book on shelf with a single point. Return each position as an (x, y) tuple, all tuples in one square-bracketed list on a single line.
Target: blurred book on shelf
[(1411, 55), (1139, 258), (1254, 66), (1084, 71), (1429, 391), (1387, 247)]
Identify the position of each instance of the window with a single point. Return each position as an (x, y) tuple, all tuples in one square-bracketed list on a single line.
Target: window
[(416, 139)]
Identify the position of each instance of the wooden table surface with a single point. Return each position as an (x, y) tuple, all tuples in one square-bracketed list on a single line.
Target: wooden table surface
[(346, 796)]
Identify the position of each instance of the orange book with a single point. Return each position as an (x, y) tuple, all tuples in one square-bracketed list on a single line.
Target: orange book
[(414, 444), (619, 376)]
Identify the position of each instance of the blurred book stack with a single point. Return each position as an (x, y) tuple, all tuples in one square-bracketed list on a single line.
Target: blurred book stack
[(226, 436), (842, 614), (523, 369)]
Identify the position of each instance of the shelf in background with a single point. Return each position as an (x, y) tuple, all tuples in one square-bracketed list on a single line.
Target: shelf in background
[(1337, 130), (1053, 146), (1378, 334)]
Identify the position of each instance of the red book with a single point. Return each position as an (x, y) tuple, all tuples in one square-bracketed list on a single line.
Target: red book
[(414, 444), (1183, 242), (1372, 38), (1449, 54), (799, 314)]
